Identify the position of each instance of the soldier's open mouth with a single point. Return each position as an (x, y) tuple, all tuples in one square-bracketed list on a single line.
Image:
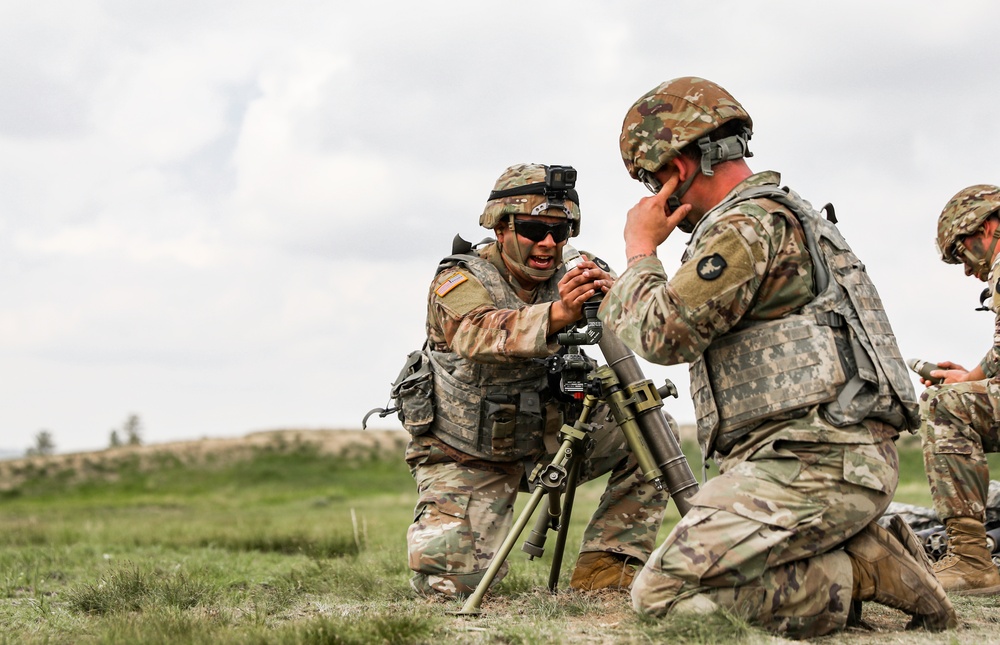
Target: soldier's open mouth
[(541, 262)]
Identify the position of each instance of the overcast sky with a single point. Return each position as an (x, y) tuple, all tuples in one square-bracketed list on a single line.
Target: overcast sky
[(223, 216)]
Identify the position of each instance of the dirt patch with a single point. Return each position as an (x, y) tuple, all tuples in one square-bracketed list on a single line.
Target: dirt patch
[(105, 463)]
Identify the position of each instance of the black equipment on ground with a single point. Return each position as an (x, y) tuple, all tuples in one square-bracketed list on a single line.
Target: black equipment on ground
[(935, 541)]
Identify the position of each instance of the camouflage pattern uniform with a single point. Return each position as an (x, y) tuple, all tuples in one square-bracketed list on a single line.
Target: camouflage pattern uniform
[(961, 425), (465, 505), (962, 420), (762, 538)]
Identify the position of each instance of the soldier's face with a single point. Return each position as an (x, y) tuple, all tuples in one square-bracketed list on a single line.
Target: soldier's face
[(541, 255), (976, 248)]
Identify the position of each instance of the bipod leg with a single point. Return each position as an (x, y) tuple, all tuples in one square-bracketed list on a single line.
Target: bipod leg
[(534, 544), (573, 437), (472, 603), (564, 518)]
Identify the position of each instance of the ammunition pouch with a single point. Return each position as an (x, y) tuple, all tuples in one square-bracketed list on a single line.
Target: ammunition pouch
[(502, 422), (413, 392), (508, 416)]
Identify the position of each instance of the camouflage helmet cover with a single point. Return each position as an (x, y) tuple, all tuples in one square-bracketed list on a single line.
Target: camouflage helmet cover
[(672, 115), (498, 210), (963, 215)]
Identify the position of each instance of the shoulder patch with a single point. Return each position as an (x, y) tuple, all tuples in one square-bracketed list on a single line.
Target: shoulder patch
[(711, 267), (450, 283), (725, 264)]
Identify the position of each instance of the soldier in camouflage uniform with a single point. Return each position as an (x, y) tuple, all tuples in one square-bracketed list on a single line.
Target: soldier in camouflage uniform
[(962, 417), (798, 384), (491, 312)]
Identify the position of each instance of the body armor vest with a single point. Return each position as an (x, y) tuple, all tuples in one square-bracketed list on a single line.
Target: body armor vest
[(493, 411), (838, 352)]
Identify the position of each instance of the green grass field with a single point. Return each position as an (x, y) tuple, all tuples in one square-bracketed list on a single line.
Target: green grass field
[(291, 544)]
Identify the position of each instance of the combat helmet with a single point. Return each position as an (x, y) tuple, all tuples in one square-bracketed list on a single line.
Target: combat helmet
[(963, 215), (534, 189), (675, 114)]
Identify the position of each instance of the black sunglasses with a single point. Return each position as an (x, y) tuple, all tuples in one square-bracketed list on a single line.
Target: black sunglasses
[(538, 231)]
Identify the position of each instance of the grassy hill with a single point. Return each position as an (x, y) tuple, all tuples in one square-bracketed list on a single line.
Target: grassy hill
[(299, 537)]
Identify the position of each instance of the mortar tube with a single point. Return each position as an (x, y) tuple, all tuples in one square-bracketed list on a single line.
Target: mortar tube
[(659, 436)]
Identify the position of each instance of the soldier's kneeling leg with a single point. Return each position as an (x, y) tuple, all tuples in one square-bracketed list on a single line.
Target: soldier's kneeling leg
[(457, 529)]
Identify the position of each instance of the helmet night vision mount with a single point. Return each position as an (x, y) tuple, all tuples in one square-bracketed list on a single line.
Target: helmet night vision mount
[(560, 183)]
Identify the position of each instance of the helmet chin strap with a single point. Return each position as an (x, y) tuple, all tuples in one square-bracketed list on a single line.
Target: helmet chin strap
[(674, 201)]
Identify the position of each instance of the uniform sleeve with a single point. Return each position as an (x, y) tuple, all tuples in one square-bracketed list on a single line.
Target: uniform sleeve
[(463, 317), (991, 362), (673, 321)]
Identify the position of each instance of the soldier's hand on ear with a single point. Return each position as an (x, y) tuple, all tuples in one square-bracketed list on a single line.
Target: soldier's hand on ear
[(650, 222)]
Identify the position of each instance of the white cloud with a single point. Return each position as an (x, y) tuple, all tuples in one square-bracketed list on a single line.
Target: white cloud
[(224, 216)]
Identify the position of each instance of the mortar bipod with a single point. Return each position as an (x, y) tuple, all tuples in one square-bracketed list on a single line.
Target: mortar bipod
[(562, 470)]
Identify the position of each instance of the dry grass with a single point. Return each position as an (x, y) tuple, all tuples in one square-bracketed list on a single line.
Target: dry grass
[(107, 463)]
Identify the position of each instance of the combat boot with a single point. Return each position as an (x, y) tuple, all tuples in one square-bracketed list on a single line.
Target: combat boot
[(967, 567), (602, 570), (887, 572)]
